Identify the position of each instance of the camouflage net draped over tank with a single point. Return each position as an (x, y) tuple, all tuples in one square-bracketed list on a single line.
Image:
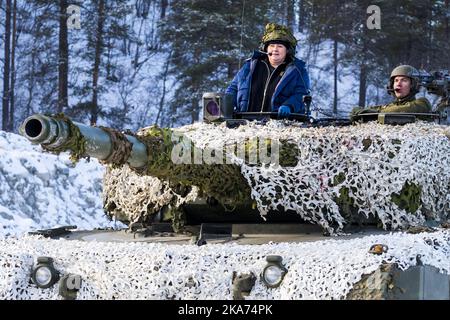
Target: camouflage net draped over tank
[(398, 174), (131, 197), (120, 270)]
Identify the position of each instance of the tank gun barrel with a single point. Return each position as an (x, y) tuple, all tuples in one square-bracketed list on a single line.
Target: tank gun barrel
[(153, 151), (55, 133)]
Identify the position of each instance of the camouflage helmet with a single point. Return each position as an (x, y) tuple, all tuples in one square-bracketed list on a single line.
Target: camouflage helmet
[(276, 32), (405, 71)]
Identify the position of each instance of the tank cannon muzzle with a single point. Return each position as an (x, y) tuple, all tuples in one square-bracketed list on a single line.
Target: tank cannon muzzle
[(40, 129), (58, 133)]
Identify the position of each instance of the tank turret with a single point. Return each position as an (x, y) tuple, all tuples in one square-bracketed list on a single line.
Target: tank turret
[(277, 171)]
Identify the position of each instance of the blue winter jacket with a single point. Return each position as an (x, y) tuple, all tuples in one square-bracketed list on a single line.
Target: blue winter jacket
[(293, 85)]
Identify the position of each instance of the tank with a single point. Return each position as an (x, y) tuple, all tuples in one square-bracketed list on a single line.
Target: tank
[(264, 171), (322, 176)]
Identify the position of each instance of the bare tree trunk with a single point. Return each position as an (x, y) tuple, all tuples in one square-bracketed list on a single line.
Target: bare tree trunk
[(377, 99), (362, 84), (163, 95), (290, 16), (136, 55), (164, 5), (409, 45), (363, 72), (98, 52), (109, 74), (447, 27), (13, 68), (335, 66), (194, 110), (6, 69), (428, 52), (63, 63), (28, 110), (301, 15)]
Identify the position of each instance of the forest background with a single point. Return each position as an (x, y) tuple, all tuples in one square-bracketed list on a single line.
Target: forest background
[(134, 63)]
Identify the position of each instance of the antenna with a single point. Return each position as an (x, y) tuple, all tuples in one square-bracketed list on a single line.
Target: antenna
[(242, 33)]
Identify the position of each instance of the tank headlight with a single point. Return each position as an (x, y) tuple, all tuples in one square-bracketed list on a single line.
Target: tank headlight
[(273, 272), (44, 274)]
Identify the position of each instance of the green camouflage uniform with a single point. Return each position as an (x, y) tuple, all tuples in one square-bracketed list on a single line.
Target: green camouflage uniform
[(408, 104)]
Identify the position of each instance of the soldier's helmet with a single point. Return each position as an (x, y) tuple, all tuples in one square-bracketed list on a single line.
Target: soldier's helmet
[(405, 71), (275, 33)]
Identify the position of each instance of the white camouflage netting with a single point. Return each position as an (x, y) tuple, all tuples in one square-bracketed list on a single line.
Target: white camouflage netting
[(423, 158), (137, 196), (415, 153), (316, 270)]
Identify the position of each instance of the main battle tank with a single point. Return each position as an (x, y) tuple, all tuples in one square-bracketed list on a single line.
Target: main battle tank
[(264, 171), (328, 173)]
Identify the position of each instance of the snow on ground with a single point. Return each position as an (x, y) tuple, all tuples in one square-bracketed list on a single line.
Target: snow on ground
[(316, 270), (40, 190)]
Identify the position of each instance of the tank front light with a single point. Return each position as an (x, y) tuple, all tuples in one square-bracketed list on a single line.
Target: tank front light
[(273, 272), (44, 274)]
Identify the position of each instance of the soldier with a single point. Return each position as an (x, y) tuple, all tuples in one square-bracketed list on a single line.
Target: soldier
[(272, 80), (403, 85)]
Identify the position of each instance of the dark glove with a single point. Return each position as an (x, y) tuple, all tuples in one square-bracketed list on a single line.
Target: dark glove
[(307, 100), (284, 112), (357, 111)]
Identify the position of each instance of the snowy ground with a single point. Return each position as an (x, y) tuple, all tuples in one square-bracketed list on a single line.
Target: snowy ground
[(40, 190)]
